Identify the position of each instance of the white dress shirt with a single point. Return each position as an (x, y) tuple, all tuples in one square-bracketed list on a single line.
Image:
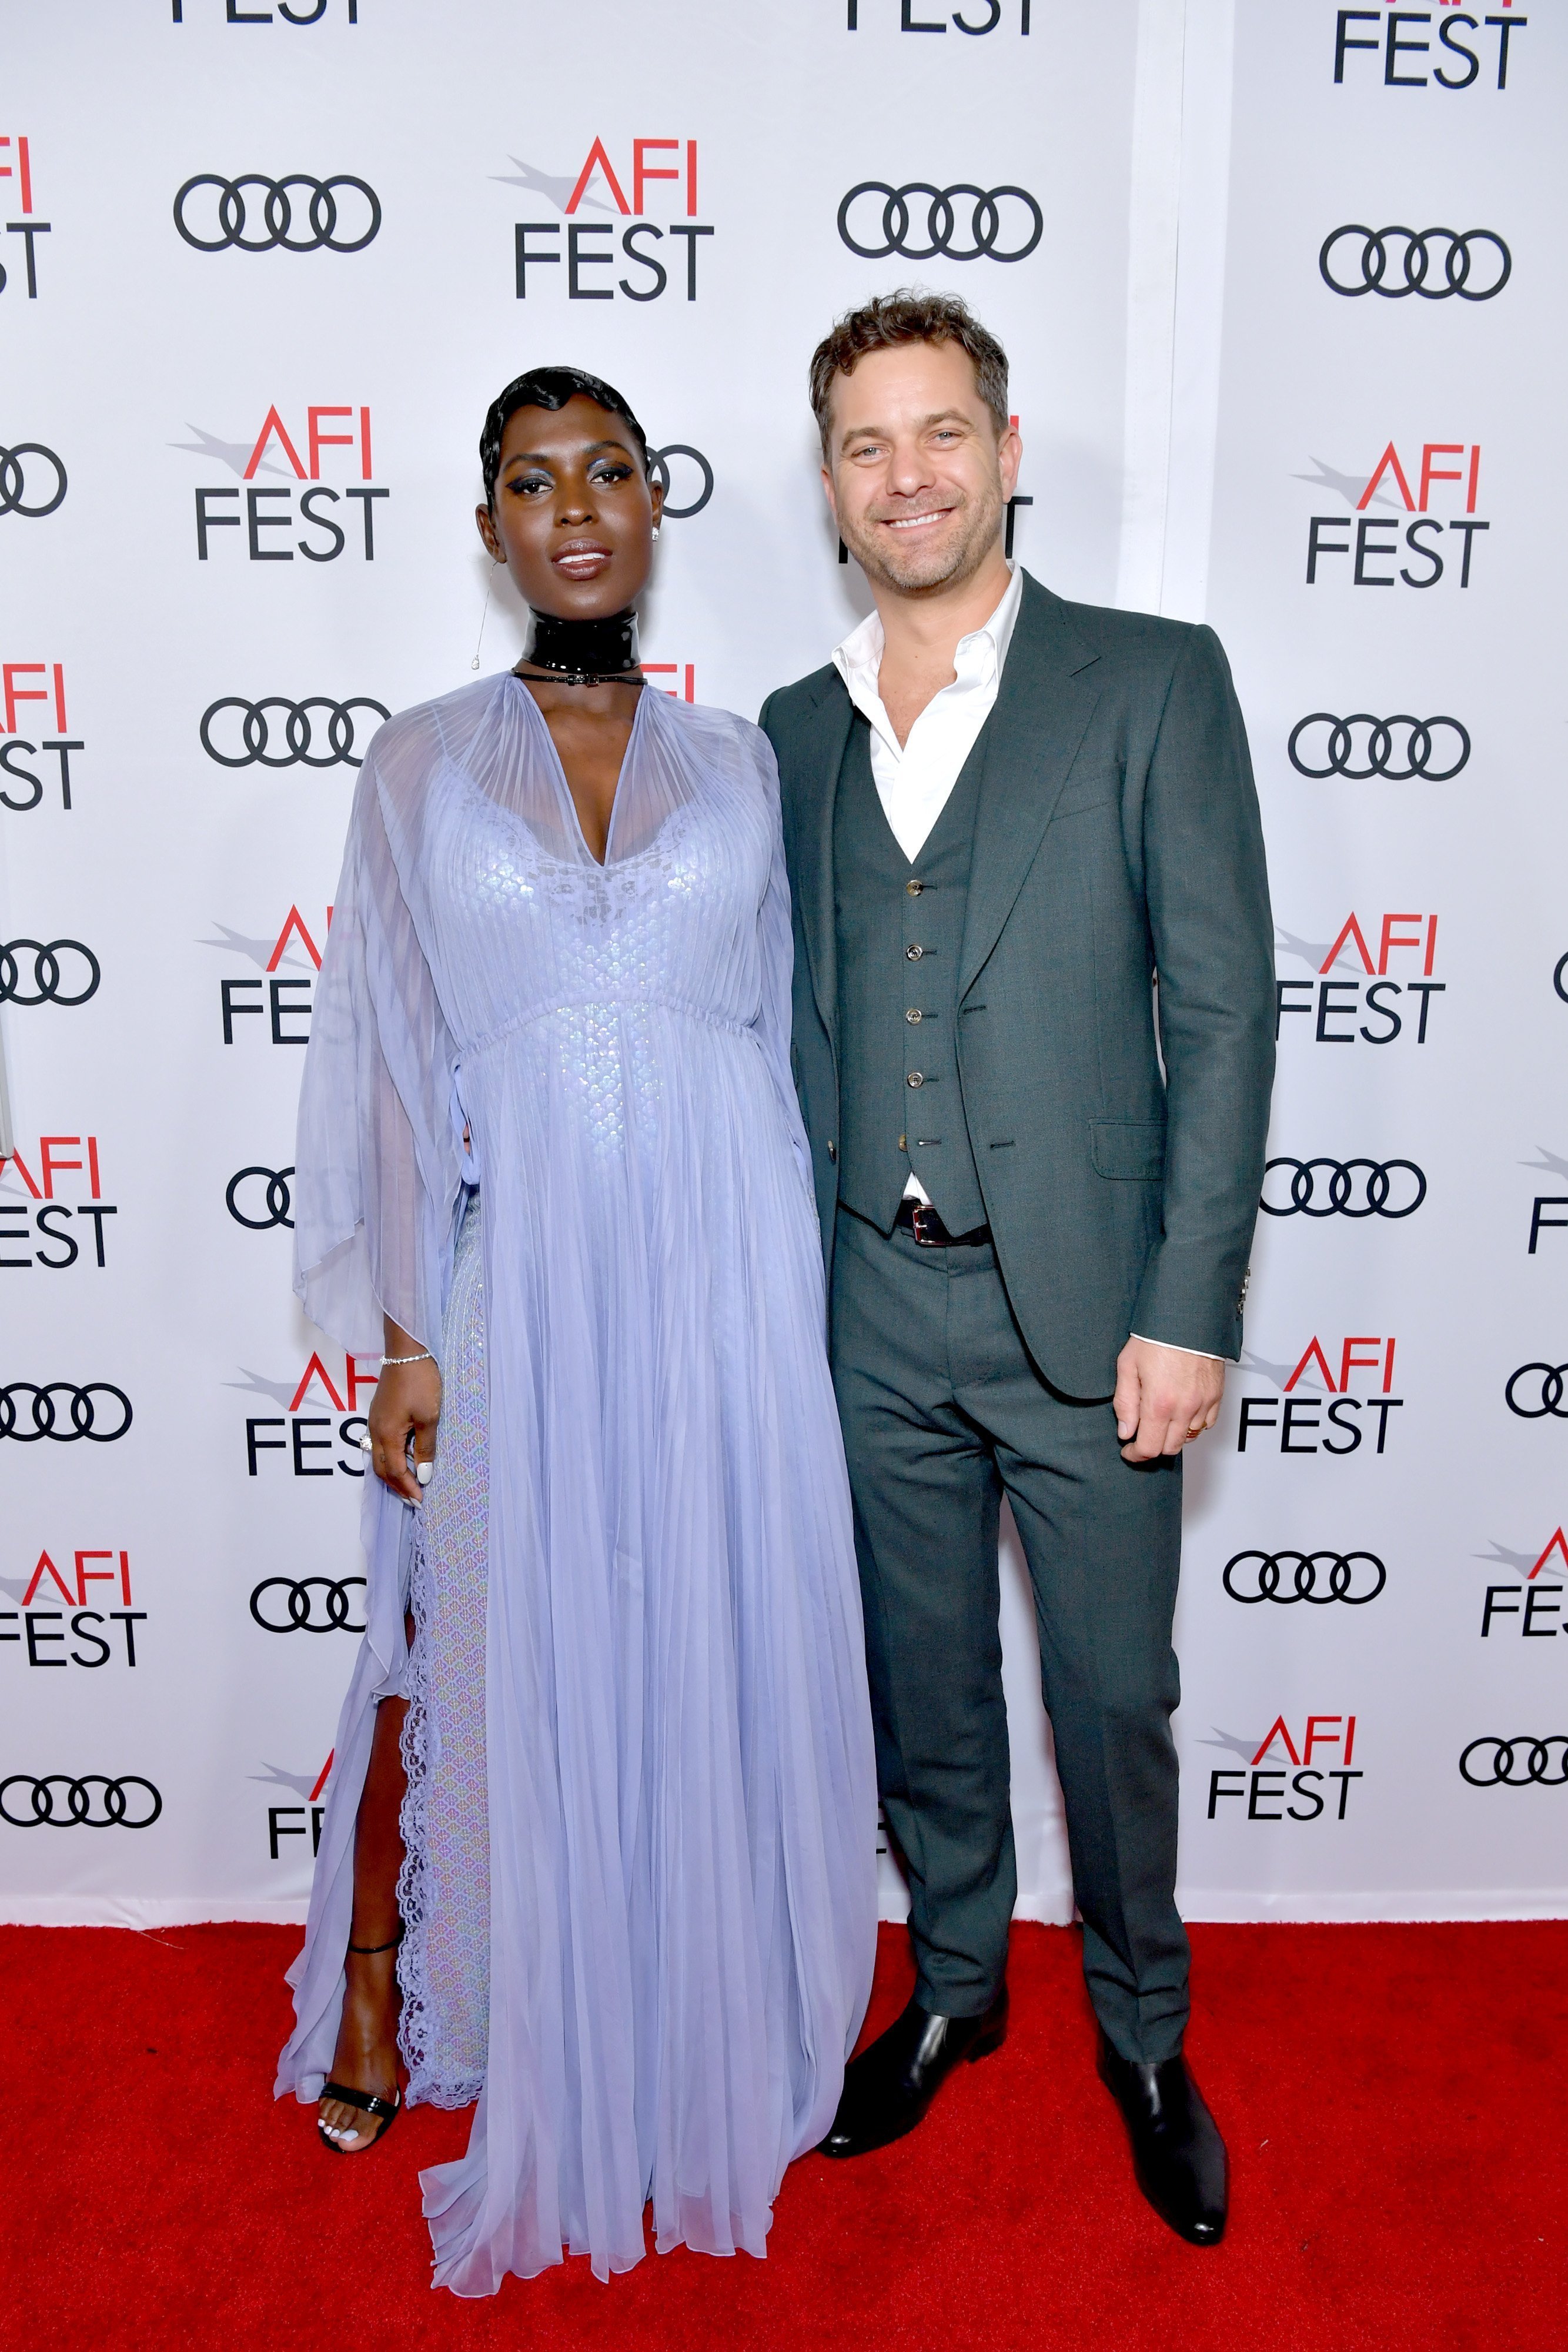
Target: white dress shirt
[(914, 779)]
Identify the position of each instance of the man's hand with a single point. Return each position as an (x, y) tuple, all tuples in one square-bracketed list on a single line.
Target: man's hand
[(1164, 1397)]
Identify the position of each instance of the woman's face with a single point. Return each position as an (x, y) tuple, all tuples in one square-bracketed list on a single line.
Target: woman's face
[(574, 514)]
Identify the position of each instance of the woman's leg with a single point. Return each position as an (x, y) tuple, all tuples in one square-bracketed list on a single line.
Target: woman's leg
[(366, 2055)]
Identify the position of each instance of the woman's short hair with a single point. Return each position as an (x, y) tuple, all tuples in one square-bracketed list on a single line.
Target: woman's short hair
[(549, 387), (910, 315)]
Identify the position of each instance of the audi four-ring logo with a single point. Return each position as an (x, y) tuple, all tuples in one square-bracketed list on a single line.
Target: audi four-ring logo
[(994, 224), (1355, 1188), (659, 470), (78, 1808), (78, 1407), (1515, 1763), (1369, 270), (14, 499), (300, 1611), (275, 1198), (43, 983), (298, 731), (1545, 1381), (1345, 753), (1255, 1575), (231, 215)]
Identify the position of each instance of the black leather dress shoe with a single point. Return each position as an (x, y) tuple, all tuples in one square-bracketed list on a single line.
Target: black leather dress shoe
[(888, 2087), (1177, 2153)]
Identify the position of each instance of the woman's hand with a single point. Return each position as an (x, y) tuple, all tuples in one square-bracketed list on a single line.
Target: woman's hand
[(407, 1403)]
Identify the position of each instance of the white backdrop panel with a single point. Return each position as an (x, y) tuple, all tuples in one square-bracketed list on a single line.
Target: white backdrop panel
[(1162, 465)]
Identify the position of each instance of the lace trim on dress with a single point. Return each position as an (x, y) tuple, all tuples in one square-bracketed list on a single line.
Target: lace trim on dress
[(444, 1886)]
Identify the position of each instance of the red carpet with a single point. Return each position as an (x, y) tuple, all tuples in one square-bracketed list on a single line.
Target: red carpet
[(1393, 2098)]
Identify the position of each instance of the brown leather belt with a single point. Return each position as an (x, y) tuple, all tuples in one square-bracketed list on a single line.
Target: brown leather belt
[(919, 1218)]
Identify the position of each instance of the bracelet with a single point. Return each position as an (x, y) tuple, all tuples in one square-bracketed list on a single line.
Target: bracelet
[(423, 1357)]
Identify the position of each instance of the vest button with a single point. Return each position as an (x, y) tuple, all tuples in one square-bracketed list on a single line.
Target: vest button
[(914, 954), (833, 1148), (915, 888), (916, 1078), (903, 1143), (912, 1015)]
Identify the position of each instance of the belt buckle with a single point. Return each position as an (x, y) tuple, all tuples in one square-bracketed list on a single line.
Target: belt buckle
[(923, 1209)]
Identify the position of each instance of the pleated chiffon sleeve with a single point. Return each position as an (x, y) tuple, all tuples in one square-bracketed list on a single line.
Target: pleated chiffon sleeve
[(776, 945), (377, 1162)]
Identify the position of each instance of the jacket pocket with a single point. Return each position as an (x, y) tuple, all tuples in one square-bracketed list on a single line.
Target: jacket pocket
[(1130, 1148)]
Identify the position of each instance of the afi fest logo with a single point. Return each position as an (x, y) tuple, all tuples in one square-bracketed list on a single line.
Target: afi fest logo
[(989, 14), (17, 165), (336, 519), (1270, 1763), (1371, 543), (22, 787), (583, 254), (1541, 1219), (38, 1226), (304, 1817), (1362, 1397), (1462, 56), (303, 12), (1371, 1006), (279, 998), (1527, 1606), (75, 1634), (301, 1419)]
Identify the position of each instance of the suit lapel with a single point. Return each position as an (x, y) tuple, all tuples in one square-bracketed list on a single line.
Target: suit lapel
[(827, 735), (1042, 712)]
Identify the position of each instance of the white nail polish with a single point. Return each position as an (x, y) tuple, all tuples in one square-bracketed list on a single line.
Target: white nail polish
[(421, 1471)]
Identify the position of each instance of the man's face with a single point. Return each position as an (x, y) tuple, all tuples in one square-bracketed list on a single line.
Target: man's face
[(915, 473)]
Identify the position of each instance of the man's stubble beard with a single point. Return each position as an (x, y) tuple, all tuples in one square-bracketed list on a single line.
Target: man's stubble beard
[(947, 566)]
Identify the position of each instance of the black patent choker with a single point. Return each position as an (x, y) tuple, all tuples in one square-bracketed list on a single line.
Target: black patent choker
[(585, 653)]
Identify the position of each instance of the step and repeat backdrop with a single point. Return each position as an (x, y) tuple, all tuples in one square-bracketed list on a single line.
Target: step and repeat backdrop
[(1283, 298)]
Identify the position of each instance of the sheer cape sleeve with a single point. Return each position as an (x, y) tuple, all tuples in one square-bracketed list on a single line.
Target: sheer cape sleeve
[(377, 1164), (776, 948)]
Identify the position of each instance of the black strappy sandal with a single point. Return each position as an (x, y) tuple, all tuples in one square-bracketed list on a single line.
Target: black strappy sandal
[(370, 2103), (388, 2109)]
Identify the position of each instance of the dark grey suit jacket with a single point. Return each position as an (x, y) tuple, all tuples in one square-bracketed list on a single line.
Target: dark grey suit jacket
[(1117, 835)]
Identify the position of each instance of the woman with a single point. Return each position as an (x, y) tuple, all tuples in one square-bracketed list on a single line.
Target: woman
[(603, 1804)]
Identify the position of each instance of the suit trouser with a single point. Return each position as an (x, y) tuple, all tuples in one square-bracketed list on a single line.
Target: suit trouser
[(943, 1412)]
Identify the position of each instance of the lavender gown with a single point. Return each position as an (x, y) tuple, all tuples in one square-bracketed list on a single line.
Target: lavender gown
[(640, 1884)]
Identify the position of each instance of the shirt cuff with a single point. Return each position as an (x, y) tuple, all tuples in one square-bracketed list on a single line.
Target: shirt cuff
[(1171, 1344)]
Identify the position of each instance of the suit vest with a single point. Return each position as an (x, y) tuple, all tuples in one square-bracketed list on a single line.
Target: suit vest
[(900, 928)]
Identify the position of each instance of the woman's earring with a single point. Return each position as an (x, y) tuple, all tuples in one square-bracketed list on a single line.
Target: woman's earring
[(484, 615), (656, 531)]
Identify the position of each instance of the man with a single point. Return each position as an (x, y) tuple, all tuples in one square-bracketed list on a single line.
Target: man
[(1038, 1169)]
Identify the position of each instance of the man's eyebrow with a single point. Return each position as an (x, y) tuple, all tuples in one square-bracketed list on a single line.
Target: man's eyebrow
[(937, 416)]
